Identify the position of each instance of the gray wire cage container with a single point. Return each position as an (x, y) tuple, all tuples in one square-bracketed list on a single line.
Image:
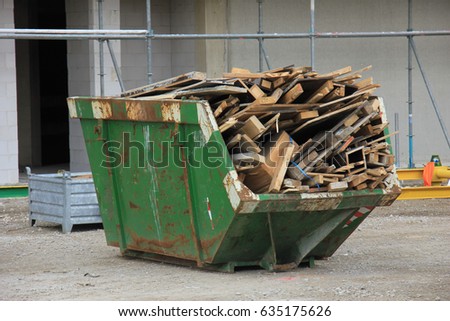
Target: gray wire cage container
[(63, 198)]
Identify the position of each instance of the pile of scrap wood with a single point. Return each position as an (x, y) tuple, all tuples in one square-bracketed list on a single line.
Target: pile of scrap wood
[(293, 130)]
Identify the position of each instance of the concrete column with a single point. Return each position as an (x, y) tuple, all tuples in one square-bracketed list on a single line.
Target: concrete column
[(211, 55), (83, 66), (9, 155)]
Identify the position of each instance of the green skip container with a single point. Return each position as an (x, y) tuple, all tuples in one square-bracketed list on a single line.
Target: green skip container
[(168, 191)]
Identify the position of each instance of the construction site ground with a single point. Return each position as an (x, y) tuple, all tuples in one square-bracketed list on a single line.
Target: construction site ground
[(400, 252)]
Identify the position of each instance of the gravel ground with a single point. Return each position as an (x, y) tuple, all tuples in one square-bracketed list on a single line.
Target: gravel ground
[(400, 252)]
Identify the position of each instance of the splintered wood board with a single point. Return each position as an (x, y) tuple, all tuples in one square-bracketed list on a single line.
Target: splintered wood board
[(321, 119), (166, 85), (213, 91)]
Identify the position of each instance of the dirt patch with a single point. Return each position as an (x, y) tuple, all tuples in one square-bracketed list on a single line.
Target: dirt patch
[(400, 252)]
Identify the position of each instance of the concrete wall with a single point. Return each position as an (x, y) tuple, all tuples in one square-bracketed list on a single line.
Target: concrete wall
[(9, 173), (169, 57), (173, 57), (388, 56)]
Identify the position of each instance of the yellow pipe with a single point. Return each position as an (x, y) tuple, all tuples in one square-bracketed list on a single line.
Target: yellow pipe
[(414, 174), (441, 172)]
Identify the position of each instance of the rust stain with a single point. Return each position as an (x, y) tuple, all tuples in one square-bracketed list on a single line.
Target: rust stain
[(115, 244), (153, 245), (133, 205), (170, 111), (285, 267), (137, 110), (175, 131), (207, 244), (101, 109), (98, 130)]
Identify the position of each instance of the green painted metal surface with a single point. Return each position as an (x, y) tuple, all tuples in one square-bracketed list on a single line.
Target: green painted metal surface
[(13, 191), (167, 190)]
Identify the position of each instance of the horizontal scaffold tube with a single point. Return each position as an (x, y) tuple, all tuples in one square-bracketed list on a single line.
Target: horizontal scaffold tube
[(77, 34)]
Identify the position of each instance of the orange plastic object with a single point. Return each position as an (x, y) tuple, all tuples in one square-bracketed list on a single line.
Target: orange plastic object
[(428, 173)]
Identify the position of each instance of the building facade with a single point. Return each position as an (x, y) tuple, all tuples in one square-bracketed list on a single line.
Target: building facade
[(37, 75)]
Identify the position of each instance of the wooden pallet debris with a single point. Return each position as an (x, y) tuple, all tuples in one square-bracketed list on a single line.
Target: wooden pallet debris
[(293, 130)]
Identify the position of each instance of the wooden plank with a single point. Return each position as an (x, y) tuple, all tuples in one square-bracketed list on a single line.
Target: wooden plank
[(363, 83), (337, 186), (345, 145), (248, 145), (169, 84), (236, 70), (338, 72), (337, 92), (211, 91), (281, 69), (344, 168), (354, 95), (305, 115), (230, 112), (256, 92), (351, 120), (276, 94), (268, 125), (314, 181), (348, 79), (372, 106), (357, 179), (249, 157), (377, 129), (353, 73), (292, 94), (266, 84), (301, 189), (278, 83), (318, 189), (224, 105), (280, 170), (293, 183), (386, 159), (270, 100), (379, 171), (321, 92), (227, 125), (252, 127), (318, 120), (382, 138), (260, 178), (246, 75), (234, 141), (329, 175), (374, 184), (361, 186)]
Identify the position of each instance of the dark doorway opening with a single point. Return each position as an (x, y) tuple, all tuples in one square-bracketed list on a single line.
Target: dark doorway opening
[(42, 85)]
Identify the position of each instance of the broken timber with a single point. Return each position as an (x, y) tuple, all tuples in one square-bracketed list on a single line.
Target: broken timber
[(293, 130)]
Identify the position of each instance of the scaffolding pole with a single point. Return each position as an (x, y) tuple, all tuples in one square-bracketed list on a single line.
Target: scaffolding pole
[(312, 31), (260, 32), (149, 41), (410, 92), (116, 65), (96, 34), (100, 49)]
